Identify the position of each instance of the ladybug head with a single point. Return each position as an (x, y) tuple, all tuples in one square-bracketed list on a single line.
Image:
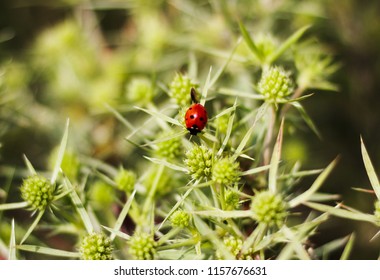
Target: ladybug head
[(194, 130)]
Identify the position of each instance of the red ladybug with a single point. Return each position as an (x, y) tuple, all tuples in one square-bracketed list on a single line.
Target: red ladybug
[(196, 116)]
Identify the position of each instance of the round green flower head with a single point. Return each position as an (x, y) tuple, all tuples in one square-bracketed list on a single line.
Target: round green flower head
[(180, 219), (140, 91), (142, 246), (37, 191), (199, 162), (169, 149), (180, 89), (275, 84), (101, 193), (234, 245), (96, 246), (125, 180), (231, 200), (226, 171), (269, 208), (377, 211)]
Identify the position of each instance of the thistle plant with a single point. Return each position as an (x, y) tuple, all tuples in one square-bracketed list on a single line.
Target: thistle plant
[(138, 185)]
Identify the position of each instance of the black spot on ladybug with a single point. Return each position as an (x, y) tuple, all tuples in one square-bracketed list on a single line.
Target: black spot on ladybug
[(191, 116), (202, 119)]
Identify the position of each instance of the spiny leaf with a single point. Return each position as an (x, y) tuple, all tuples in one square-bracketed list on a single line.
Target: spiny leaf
[(61, 153), (370, 170), (357, 216), (160, 116), (48, 251), (349, 246), (123, 214), (32, 226), (250, 43), (314, 187), (14, 205), (275, 160), (167, 164), (29, 165), (206, 232), (12, 243), (79, 206), (285, 45)]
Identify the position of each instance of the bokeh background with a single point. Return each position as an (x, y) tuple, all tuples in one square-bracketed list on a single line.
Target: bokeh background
[(62, 59)]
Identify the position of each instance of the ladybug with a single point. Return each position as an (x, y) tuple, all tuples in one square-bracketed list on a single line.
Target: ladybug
[(196, 116)]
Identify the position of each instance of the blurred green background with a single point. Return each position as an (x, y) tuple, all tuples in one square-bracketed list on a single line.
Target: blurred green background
[(64, 59)]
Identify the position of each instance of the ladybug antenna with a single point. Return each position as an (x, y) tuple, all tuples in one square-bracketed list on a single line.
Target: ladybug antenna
[(193, 95)]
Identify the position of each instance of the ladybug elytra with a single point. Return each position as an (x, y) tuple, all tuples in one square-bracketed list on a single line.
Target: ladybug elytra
[(196, 116)]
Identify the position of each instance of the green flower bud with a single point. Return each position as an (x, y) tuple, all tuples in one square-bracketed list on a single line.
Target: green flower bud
[(140, 91), (37, 191), (234, 245), (125, 180), (142, 246), (180, 89), (180, 219), (231, 200), (199, 162), (226, 171), (96, 246), (101, 193), (171, 148), (222, 123), (269, 208), (275, 84)]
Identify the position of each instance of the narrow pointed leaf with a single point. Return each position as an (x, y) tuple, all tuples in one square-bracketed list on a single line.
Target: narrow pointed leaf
[(160, 116), (348, 248), (118, 233), (229, 130), (167, 164), (275, 161), (14, 205), (49, 251), (32, 226), (206, 87), (225, 214), (250, 43), (61, 153), (255, 170), (314, 187), (370, 170), (289, 42), (29, 165), (123, 214), (79, 207), (306, 118), (247, 136), (342, 213), (206, 232), (12, 243)]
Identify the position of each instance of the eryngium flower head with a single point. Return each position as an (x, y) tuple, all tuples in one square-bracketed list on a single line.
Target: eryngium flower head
[(180, 89), (142, 246), (180, 219), (96, 246), (125, 180), (226, 171), (275, 84), (269, 208), (199, 162), (37, 192)]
